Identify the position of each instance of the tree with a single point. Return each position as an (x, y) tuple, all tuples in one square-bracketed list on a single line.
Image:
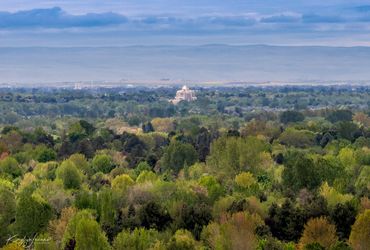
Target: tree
[(69, 174), (286, 222), (299, 172), (147, 127), (142, 166), (343, 215), (44, 154), (146, 176), (32, 213), (232, 155), (329, 169), (122, 182), (7, 209), (193, 218), (359, 238), (76, 132), (245, 180), (106, 209), (177, 155), (103, 163), (332, 196), (44, 242), (203, 142), (349, 131), (10, 167), (291, 116), (340, 115), (154, 216), (182, 240), (84, 233), (214, 188), (15, 245), (58, 227), (319, 230), (233, 232), (139, 239), (297, 138), (163, 124), (363, 181), (81, 163), (89, 236)]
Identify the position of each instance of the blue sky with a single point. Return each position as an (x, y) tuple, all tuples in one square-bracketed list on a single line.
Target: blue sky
[(148, 22)]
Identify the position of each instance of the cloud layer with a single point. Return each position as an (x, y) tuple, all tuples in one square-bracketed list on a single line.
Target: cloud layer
[(249, 21), (58, 18)]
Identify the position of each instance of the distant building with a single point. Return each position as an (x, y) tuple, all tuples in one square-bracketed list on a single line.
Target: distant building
[(185, 94)]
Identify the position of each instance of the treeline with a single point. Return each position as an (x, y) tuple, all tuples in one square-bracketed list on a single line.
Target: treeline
[(294, 181), (138, 105)]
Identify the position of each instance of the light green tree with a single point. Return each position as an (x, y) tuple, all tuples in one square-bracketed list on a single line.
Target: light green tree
[(139, 239), (69, 174), (359, 238)]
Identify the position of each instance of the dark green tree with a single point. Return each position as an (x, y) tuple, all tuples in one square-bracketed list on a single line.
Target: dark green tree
[(178, 154), (300, 172), (32, 213), (291, 116)]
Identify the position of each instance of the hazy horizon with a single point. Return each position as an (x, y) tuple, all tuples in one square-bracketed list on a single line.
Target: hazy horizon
[(185, 64), (181, 41)]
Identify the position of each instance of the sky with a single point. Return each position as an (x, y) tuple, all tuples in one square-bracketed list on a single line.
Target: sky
[(68, 23)]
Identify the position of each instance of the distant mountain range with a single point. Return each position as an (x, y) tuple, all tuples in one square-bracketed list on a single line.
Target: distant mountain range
[(176, 64)]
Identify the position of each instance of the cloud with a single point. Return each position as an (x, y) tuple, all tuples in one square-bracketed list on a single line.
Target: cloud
[(316, 18), (282, 18), (57, 18)]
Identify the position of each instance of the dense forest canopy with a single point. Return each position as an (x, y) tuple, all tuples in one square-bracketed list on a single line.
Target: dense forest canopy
[(239, 168)]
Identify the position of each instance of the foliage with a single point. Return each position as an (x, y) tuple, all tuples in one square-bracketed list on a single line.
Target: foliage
[(178, 155), (291, 116), (318, 230), (139, 239), (32, 213), (240, 168), (359, 238), (102, 163), (69, 174)]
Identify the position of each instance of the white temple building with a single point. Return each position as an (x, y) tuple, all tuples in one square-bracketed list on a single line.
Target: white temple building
[(184, 94)]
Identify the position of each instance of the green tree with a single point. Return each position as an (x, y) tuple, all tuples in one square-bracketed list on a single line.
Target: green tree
[(32, 213), (182, 240), (232, 155), (69, 174), (84, 233), (44, 154), (291, 116), (89, 236), (359, 238), (139, 239), (300, 172), (152, 215), (214, 188), (10, 167), (177, 155), (7, 209), (286, 222), (344, 215), (297, 138), (81, 163), (340, 115), (103, 163)]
